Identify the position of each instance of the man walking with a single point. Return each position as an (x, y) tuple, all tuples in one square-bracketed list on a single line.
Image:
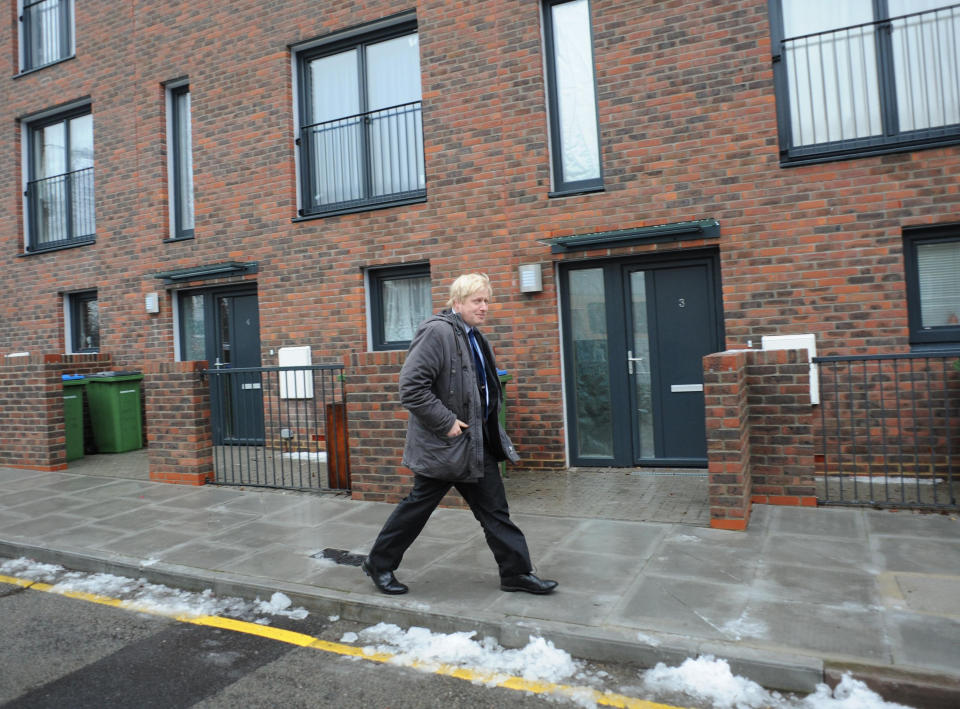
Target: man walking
[(449, 384)]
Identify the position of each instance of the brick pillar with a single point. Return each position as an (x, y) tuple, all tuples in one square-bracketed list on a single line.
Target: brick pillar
[(179, 438), (781, 428), (378, 428), (32, 434), (728, 438)]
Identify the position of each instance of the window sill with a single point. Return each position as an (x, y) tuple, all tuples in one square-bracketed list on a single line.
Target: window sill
[(59, 247), (839, 154), (35, 69), (175, 239), (575, 191), (355, 209)]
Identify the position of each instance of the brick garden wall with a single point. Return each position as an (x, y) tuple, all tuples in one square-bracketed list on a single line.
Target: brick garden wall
[(179, 439), (759, 432), (32, 431)]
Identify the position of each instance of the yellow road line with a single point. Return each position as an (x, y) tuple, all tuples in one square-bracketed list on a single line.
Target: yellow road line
[(290, 637)]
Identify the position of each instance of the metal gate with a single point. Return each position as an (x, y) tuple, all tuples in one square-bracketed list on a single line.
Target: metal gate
[(889, 430), (280, 427)]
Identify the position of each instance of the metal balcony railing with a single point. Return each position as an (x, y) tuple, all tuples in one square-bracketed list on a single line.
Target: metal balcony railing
[(364, 159), (879, 82), (61, 210)]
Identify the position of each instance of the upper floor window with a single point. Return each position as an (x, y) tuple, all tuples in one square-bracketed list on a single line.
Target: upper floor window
[(180, 143), (571, 94), (865, 76), (84, 322), (46, 32), (361, 133), (932, 263), (59, 193), (399, 301)]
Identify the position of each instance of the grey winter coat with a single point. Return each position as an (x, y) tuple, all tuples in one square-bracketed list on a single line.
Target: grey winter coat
[(438, 385)]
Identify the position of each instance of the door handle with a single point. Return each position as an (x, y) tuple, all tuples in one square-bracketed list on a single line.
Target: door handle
[(630, 360)]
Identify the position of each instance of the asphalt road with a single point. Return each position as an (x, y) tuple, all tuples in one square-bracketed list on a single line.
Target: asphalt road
[(69, 653)]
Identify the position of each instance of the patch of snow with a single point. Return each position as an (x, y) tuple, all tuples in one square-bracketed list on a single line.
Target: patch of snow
[(141, 595)]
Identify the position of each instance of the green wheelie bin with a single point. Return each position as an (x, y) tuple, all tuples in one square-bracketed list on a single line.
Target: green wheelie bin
[(115, 411), (73, 414)]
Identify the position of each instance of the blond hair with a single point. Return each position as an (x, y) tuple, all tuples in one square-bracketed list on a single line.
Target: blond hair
[(466, 285)]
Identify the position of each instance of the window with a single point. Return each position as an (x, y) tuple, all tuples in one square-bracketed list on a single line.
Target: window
[(932, 261), (59, 191), (863, 77), (84, 322), (361, 133), (181, 162), (574, 138), (46, 32), (399, 301)]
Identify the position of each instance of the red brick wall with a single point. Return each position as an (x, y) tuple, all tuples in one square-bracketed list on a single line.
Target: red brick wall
[(759, 432), (179, 439), (31, 398), (688, 130)]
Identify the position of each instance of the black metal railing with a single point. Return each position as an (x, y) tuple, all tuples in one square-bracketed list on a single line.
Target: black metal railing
[(61, 209), (874, 82), (890, 430), (363, 159), (280, 427)]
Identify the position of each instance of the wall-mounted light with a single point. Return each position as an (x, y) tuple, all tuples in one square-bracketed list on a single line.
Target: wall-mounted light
[(531, 278), (152, 302)]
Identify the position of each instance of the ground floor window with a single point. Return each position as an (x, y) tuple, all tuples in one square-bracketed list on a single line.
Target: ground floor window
[(400, 300), (932, 264), (83, 322)]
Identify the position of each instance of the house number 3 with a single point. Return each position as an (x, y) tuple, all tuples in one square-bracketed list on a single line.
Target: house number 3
[(681, 302)]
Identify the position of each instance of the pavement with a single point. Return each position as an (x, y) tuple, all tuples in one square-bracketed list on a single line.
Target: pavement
[(803, 595)]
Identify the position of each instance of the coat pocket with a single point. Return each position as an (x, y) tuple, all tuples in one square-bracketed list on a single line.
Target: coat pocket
[(445, 458)]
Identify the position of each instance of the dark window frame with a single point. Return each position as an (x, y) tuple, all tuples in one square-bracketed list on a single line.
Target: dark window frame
[(33, 245), (65, 40), (944, 337), (77, 302), (377, 277), (178, 150), (890, 140), (561, 187), (358, 38)]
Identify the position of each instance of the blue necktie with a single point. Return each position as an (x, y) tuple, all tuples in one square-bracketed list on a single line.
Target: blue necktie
[(481, 372)]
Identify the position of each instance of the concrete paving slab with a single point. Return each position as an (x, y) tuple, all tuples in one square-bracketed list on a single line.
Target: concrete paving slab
[(916, 554), (944, 525), (151, 544), (822, 552), (822, 522), (681, 606), (839, 630), (814, 585), (926, 641)]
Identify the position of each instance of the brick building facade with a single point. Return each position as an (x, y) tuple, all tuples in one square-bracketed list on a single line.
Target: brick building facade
[(708, 188)]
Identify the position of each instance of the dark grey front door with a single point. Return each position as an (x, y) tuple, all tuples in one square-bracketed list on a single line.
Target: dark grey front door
[(223, 327), (635, 336), (238, 346)]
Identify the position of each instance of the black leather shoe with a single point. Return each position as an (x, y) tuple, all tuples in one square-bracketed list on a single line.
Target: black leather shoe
[(528, 583), (385, 581)]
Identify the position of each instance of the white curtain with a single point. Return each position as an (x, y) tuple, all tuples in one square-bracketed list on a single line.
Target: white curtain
[(576, 97), (406, 304), (335, 146), (186, 158), (834, 91), (396, 151), (926, 57)]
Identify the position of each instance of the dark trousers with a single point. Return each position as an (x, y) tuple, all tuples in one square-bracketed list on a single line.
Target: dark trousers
[(487, 501)]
